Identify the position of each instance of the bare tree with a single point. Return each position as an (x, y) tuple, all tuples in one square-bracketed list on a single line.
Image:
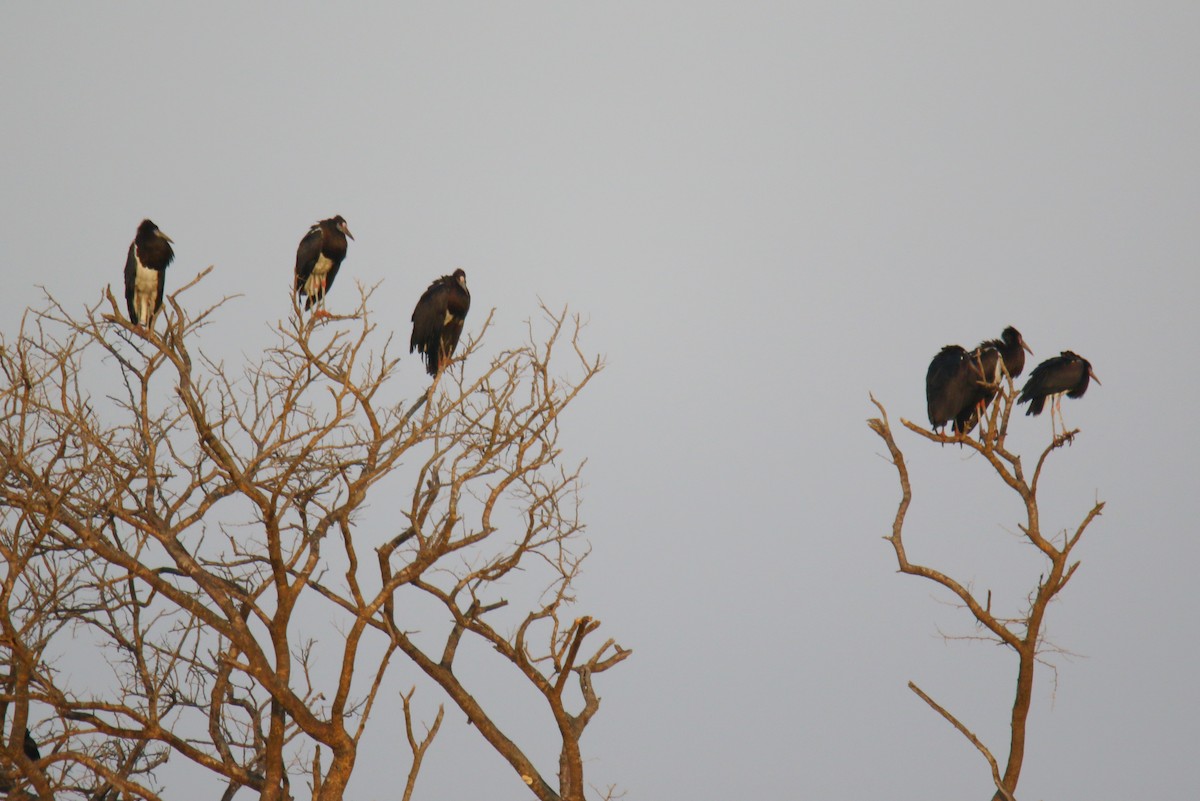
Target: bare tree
[(206, 529), (1023, 632)]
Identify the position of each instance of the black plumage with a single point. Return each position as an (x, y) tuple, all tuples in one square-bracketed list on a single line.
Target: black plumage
[(30, 747), (145, 266), (438, 320), (949, 385), (1066, 374), (985, 361), (318, 258)]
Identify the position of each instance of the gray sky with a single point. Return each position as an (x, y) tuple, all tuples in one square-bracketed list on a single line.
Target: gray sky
[(766, 211)]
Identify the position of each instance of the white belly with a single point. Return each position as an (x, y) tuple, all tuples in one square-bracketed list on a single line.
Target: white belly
[(145, 292), (314, 286)]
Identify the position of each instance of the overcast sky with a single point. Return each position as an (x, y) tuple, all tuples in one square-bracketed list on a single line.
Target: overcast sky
[(766, 211)]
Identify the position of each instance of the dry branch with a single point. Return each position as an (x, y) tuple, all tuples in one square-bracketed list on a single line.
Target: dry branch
[(1023, 633), (190, 522)]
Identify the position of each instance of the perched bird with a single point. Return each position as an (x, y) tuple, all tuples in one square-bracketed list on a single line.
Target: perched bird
[(438, 320), (990, 361), (318, 258), (149, 254), (949, 385), (30, 747), (1067, 373)]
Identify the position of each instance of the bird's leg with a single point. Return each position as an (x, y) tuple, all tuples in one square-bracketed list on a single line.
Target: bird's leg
[(1062, 421), (320, 312)]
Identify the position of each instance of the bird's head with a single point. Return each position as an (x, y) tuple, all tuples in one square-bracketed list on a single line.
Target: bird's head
[(1073, 356), (149, 228), (1013, 337), (460, 276), (339, 222)]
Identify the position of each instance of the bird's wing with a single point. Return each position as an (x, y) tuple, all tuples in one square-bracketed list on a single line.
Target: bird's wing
[(130, 280), (428, 317), (162, 284), (1036, 386), (937, 378), (307, 254), (943, 367)]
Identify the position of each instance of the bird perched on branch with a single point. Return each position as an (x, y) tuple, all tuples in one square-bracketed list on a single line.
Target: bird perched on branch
[(318, 258), (949, 385), (990, 361), (438, 320), (30, 747), (149, 254), (1065, 374)]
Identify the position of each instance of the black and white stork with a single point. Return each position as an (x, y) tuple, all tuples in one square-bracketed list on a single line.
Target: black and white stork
[(990, 361), (949, 385), (438, 320), (1065, 374), (149, 254), (318, 258)]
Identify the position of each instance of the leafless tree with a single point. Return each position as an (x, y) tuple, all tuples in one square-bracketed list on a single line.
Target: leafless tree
[(1024, 631), (200, 531)]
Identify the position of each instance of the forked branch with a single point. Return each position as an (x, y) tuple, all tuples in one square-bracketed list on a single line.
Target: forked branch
[(1023, 632)]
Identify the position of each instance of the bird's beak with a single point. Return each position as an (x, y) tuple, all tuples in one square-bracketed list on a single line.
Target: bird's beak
[(164, 236), (1028, 349), (346, 230), (1094, 376)]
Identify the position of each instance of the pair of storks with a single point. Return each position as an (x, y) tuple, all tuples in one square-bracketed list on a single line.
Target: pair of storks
[(960, 384), (437, 319)]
